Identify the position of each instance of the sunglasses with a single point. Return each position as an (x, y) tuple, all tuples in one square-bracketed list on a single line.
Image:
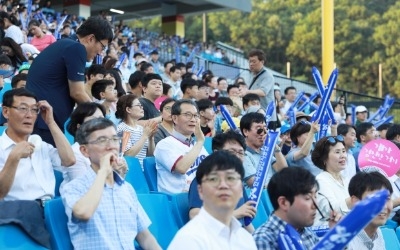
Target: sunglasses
[(323, 218), (261, 130), (333, 139), (304, 122)]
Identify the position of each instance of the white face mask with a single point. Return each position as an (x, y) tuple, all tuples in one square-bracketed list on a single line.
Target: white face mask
[(88, 64)]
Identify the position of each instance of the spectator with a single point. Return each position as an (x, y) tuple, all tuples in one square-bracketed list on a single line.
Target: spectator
[(94, 73), (207, 117), (190, 89), (152, 89), (365, 132), (211, 81), (286, 142), (19, 81), (88, 197), (290, 96), (302, 136), (104, 91), (223, 87), (147, 68), (177, 156), (219, 119), (253, 128), (233, 94), (115, 75), (141, 139), (292, 192), (21, 178), (250, 100), (203, 232), (361, 115), (157, 66), (167, 93), (13, 51), (135, 81), (8, 23), (167, 67), (40, 40), (350, 138), (383, 129), (57, 74), (362, 185), (166, 126), (204, 91), (175, 81), (182, 67), (330, 155)]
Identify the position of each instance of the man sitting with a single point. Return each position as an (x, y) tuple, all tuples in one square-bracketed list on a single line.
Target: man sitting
[(103, 210)]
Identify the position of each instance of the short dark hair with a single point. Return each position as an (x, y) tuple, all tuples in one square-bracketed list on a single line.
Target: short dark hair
[(118, 80), (97, 26), (8, 97), (165, 88), (79, 114), (188, 83), (383, 126), (223, 101), (321, 152), (250, 97), (135, 78), (148, 77), (204, 104), (219, 160), (166, 63), (100, 86), (34, 22), (368, 181), (362, 129), (95, 69), (250, 118), (232, 86), (180, 65), (289, 88), (393, 131), (220, 79), (123, 103), (17, 78), (258, 53), (174, 68), (343, 129), (219, 140), (298, 129), (87, 128), (187, 75), (145, 66), (165, 102), (290, 182), (4, 59), (176, 108)]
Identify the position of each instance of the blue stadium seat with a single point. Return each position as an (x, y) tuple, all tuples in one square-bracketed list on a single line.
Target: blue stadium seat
[(13, 237), (180, 208), (2, 129), (391, 241), (266, 202), (59, 179), (398, 233), (208, 144), (70, 138), (150, 172), (158, 208), (56, 223), (135, 175)]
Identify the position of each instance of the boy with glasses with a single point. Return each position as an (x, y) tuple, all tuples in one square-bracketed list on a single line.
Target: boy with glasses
[(254, 130), (219, 179), (103, 210), (178, 156)]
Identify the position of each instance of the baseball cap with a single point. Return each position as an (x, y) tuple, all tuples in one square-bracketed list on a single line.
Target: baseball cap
[(361, 109), (285, 128), (300, 115)]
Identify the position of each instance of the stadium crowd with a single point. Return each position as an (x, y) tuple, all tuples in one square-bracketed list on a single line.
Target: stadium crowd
[(107, 87)]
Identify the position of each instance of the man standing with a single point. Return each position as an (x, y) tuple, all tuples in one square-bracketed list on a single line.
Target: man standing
[(57, 74), (361, 114), (293, 193), (178, 156), (263, 81), (219, 179), (103, 210)]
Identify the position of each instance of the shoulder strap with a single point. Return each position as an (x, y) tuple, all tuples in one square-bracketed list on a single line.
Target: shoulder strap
[(256, 77)]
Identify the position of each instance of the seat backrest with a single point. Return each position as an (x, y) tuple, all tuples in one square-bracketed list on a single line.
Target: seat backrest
[(69, 137), (56, 222), (391, 241), (135, 175), (180, 208), (2, 129), (13, 237), (158, 208), (261, 215), (208, 144), (59, 180), (266, 202), (150, 172)]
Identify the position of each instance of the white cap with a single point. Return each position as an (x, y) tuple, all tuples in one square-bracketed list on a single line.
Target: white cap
[(360, 109)]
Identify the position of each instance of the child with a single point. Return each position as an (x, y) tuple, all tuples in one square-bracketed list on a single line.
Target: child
[(104, 90)]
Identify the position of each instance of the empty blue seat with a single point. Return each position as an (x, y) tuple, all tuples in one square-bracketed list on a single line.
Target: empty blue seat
[(56, 222), (2, 129), (13, 237), (158, 208), (135, 175), (69, 137), (59, 180), (150, 172), (180, 208), (391, 241)]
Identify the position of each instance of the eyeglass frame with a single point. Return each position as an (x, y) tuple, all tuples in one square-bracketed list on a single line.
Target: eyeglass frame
[(260, 130), (187, 114), (27, 109), (234, 180), (104, 47), (102, 139)]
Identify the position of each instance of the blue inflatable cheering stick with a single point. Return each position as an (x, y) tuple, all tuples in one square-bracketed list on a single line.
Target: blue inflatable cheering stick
[(290, 239), (262, 169), (362, 213), (228, 118), (269, 112)]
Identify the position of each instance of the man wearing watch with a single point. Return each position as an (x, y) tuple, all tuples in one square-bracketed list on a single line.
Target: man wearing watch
[(254, 129)]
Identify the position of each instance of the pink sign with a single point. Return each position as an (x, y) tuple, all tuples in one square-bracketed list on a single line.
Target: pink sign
[(380, 153)]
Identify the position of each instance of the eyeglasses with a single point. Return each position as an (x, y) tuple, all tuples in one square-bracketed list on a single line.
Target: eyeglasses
[(167, 108), (137, 105), (25, 110), (104, 141), (102, 45), (323, 218), (190, 116), (237, 153), (215, 181), (302, 122), (333, 139), (261, 130)]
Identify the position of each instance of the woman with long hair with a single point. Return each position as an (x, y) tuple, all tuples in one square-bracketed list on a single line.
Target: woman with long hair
[(14, 51)]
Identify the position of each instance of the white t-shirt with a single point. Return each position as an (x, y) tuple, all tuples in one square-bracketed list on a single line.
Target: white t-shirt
[(168, 151)]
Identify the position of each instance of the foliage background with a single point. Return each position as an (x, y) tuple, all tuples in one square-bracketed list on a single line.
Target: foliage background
[(366, 34)]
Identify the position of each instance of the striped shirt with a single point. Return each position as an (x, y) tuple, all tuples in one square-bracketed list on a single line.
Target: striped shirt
[(136, 133)]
